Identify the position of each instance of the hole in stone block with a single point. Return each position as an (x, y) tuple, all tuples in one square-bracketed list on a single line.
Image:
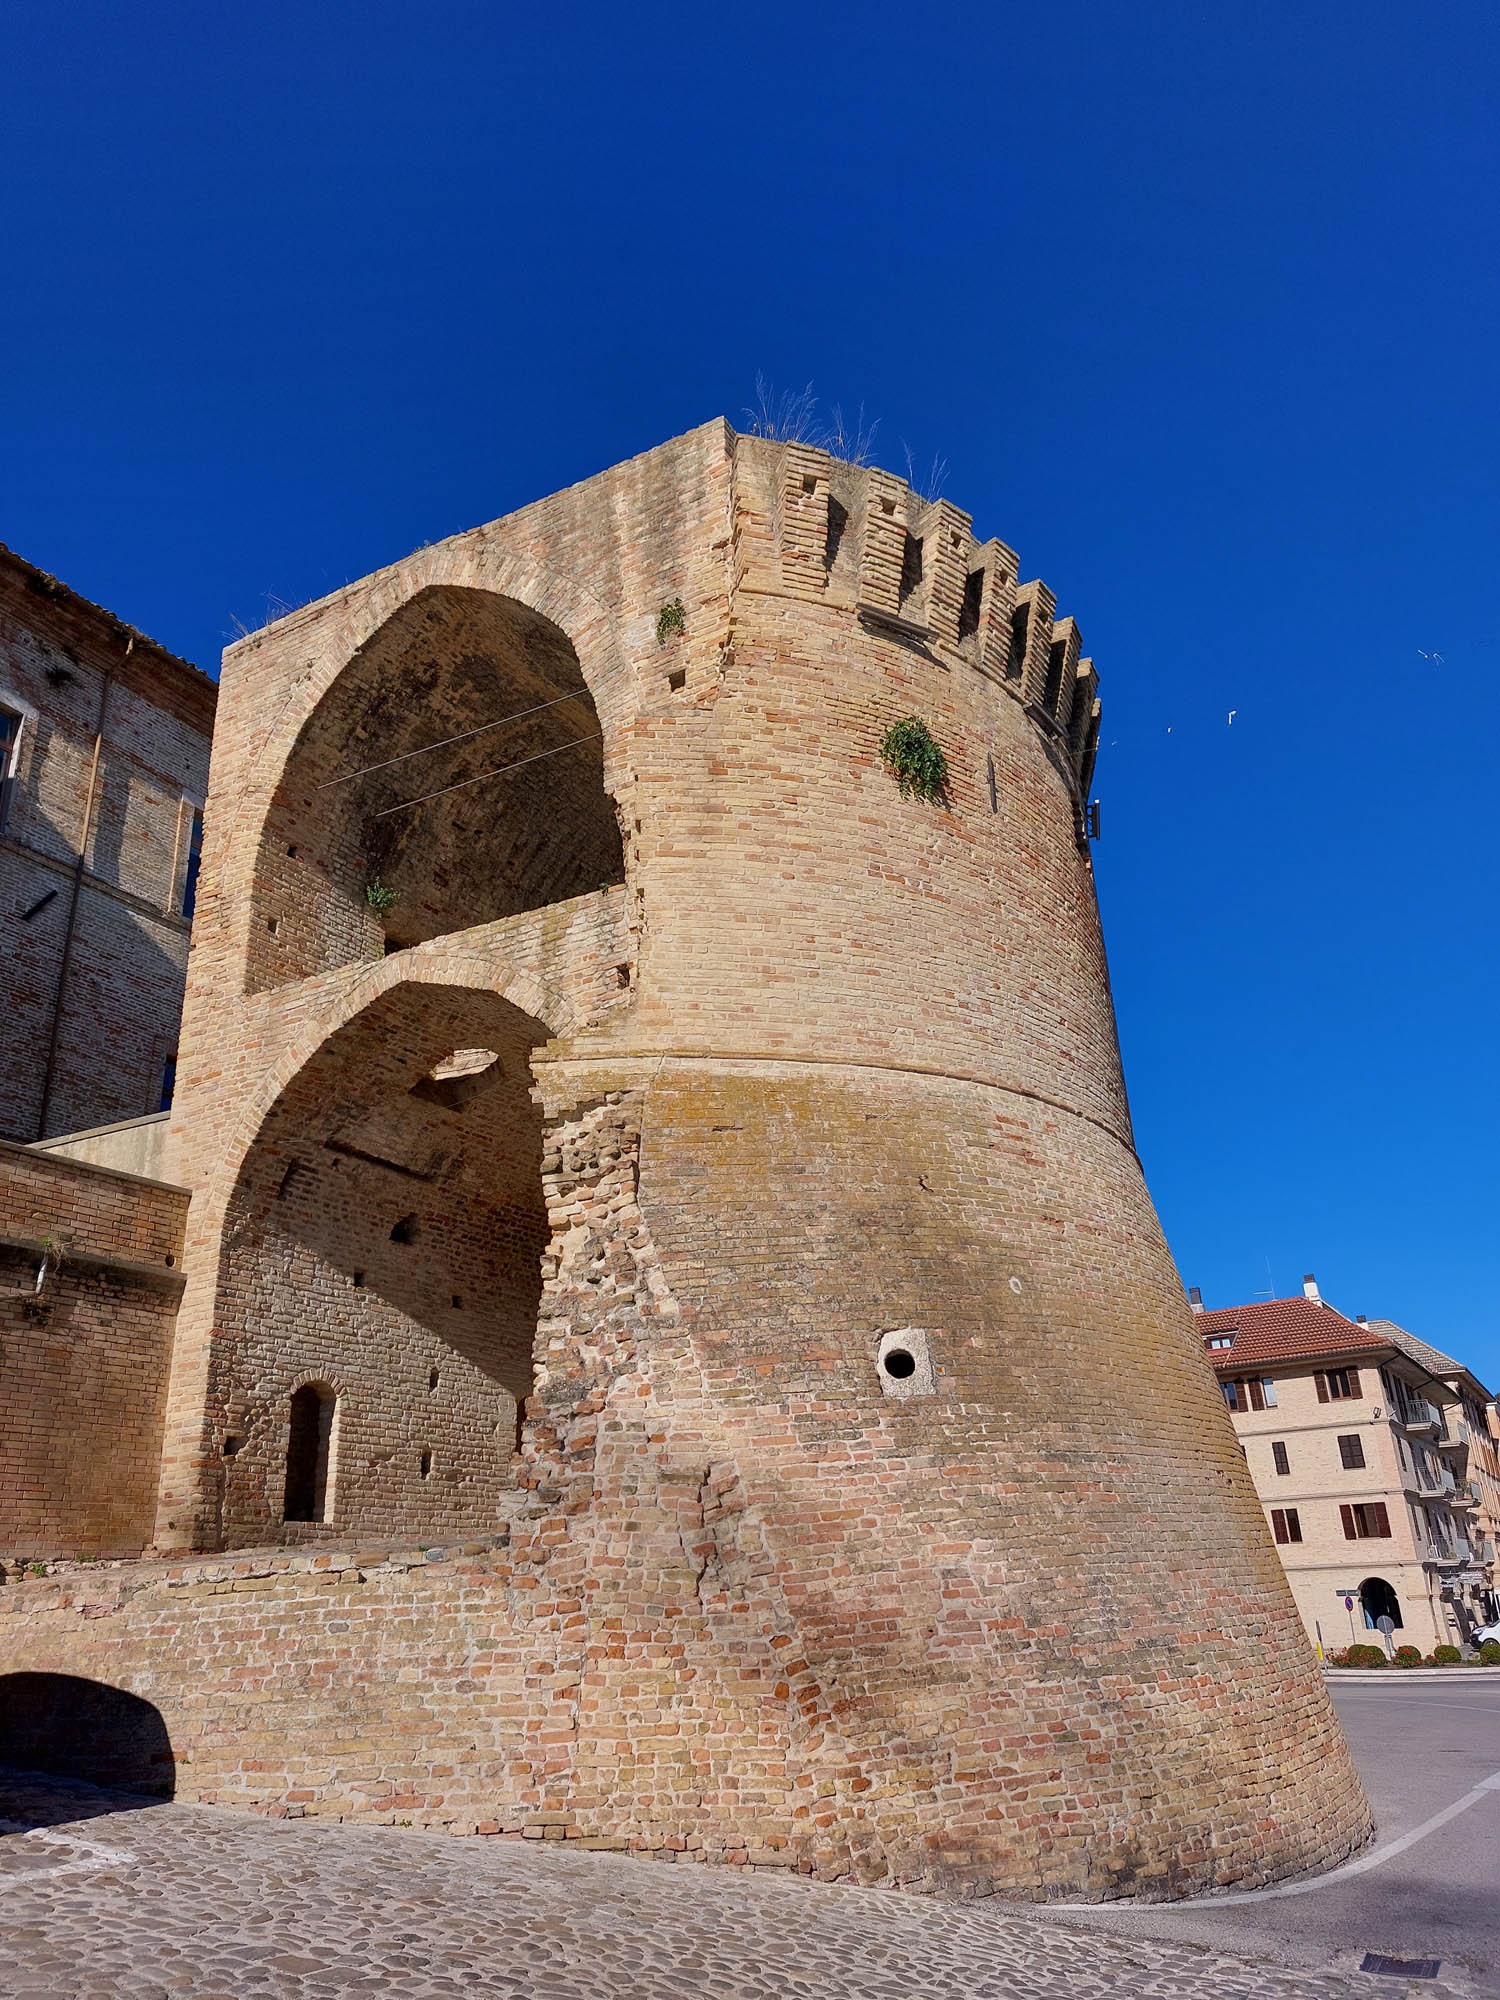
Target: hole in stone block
[(622, 975), (458, 1301), (271, 923), (426, 1465), (432, 1378), (291, 854), (231, 1446), (359, 1281), (677, 679), (905, 1365), (407, 1230), (809, 484)]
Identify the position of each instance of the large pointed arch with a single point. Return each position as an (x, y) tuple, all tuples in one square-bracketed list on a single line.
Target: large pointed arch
[(384, 1233), (450, 775)]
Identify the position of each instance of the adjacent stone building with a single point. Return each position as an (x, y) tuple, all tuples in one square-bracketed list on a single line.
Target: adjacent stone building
[(676, 1348), (104, 747), (1368, 1449)]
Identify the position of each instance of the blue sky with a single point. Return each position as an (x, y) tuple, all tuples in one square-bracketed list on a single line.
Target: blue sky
[(1198, 302)]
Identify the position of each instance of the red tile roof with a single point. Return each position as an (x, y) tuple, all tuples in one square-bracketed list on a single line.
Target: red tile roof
[(1285, 1330)]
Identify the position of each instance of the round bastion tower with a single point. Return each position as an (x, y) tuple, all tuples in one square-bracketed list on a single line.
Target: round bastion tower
[(633, 1138)]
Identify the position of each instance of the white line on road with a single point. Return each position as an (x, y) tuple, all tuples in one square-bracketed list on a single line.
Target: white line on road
[(1233, 1898)]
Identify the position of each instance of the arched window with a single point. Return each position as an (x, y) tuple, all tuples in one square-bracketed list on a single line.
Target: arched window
[(1378, 1600), (309, 1452)]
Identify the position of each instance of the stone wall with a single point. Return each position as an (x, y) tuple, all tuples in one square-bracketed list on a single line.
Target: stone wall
[(83, 1361)]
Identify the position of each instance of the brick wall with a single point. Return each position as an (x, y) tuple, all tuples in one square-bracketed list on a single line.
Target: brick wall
[(122, 1000), (83, 1362)]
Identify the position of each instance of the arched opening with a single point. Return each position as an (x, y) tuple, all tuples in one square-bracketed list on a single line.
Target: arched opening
[(76, 1728), (1378, 1600), (385, 1236), (309, 1453), (452, 775)]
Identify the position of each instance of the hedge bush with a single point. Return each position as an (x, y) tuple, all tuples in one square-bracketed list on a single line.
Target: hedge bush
[(1489, 1652), (1408, 1656), (1361, 1656), (1446, 1656)]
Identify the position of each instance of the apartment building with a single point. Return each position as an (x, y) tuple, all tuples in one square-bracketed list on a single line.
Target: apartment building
[(1359, 1438), (104, 744)]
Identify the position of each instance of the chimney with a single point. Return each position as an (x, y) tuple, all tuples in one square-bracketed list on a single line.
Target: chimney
[(1195, 1298), (1360, 1320), (1310, 1288)]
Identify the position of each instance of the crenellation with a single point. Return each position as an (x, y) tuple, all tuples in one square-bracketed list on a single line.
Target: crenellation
[(883, 550), (802, 520), (1031, 641), (948, 542), (1062, 673)]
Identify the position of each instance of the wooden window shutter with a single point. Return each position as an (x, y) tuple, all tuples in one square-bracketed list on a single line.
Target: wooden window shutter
[(1278, 1523), (1354, 1389), (1382, 1519), (1321, 1381), (1346, 1515), (1257, 1394), (1293, 1525)]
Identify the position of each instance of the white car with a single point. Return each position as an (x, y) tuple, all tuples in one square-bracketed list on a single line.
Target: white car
[(1486, 1633)]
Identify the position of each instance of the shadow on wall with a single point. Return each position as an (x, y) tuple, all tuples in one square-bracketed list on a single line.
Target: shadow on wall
[(72, 1728)]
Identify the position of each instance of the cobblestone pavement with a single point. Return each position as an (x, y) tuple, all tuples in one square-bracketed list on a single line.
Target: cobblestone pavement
[(101, 1895)]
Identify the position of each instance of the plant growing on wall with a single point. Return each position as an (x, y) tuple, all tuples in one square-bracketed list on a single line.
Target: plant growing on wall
[(911, 753), (670, 621), (381, 899), (53, 1258)]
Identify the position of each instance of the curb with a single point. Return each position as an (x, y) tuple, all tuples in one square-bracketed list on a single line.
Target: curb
[(1336, 1674)]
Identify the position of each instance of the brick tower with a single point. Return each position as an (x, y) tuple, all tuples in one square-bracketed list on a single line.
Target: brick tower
[(620, 1120)]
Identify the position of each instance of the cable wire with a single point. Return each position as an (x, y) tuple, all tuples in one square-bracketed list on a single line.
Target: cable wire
[(498, 772), (462, 737)]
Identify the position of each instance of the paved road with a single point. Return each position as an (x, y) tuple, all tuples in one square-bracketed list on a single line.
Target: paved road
[(101, 1895), (1421, 1746)]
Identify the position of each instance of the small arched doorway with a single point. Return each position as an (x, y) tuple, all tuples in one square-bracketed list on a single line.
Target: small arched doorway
[(309, 1453), (1378, 1600)]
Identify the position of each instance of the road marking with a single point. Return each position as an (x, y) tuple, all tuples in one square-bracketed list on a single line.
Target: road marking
[(1233, 1898)]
